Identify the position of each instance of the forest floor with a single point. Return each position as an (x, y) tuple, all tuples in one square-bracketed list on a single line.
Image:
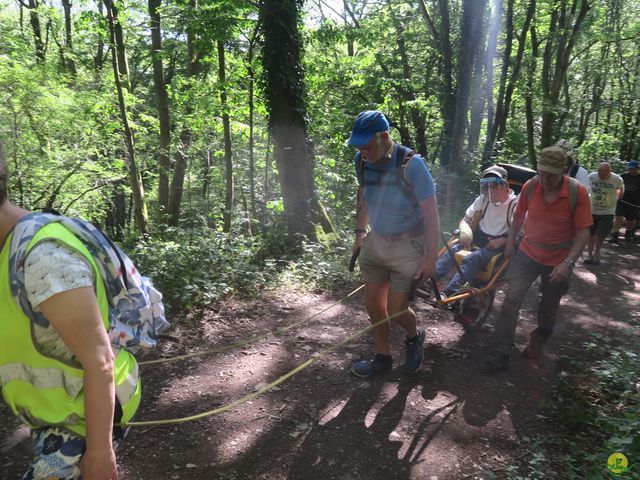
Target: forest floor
[(452, 420)]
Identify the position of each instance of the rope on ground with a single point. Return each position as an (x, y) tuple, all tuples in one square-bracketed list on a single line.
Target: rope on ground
[(266, 388), (253, 339)]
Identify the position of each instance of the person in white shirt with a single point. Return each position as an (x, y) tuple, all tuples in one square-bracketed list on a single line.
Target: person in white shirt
[(490, 214), (573, 169), (606, 189)]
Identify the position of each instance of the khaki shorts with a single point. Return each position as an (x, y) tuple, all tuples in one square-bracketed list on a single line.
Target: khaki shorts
[(393, 261)]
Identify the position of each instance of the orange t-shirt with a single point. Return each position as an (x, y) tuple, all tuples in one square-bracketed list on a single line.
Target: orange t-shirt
[(552, 223)]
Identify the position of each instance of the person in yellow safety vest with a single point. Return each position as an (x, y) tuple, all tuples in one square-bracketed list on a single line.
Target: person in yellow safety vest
[(62, 378)]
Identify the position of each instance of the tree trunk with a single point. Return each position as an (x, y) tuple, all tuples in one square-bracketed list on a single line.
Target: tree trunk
[(177, 181), (492, 44), (408, 94), (477, 102), (37, 30), (70, 64), (531, 147), (251, 74), (162, 100), (116, 217), (98, 59), (505, 103), (471, 35), (135, 181), (121, 53), (448, 99), (492, 121), (562, 38), (285, 95), (228, 159)]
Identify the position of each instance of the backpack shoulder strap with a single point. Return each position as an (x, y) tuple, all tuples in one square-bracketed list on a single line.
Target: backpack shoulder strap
[(360, 170), (485, 205), (574, 170), (407, 156), (403, 156), (530, 186), (479, 214), (510, 209), (573, 194)]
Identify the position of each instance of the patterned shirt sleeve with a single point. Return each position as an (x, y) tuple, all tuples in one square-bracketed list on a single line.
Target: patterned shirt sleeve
[(51, 268)]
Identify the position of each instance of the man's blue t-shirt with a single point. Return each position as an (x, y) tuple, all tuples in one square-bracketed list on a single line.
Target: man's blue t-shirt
[(391, 211)]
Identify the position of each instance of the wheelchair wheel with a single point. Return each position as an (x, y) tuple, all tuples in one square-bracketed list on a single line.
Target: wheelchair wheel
[(474, 311)]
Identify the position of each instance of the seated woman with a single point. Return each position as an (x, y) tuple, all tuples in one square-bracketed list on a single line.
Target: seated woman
[(484, 226)]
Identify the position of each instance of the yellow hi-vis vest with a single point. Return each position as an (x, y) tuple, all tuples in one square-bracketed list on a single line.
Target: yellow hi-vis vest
[(45, 391)]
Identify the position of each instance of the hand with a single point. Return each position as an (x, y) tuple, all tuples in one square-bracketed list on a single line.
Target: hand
[(427, 269), (99, 465), (560, 273), (466, 243), (496, 243)]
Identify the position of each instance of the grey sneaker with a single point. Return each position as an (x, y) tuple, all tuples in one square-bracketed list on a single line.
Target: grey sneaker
[(415, 353), (372, 366)]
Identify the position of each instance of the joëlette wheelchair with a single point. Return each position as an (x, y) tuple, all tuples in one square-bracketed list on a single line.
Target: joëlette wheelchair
[(472, 304)]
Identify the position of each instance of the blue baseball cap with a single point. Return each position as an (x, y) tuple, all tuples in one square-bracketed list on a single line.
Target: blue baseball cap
[(367, 124), (633, 164)]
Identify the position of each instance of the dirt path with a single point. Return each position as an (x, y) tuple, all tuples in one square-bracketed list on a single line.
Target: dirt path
[(450, 421)]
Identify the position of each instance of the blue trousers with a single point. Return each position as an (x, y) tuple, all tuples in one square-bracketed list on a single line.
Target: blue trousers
[(473, 262)]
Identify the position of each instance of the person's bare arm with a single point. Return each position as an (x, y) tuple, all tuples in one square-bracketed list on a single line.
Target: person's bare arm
[(362, 219), (514, 228), (75, 315), (429, 208)]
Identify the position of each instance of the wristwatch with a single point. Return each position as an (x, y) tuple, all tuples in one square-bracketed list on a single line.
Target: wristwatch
[(571, 263)]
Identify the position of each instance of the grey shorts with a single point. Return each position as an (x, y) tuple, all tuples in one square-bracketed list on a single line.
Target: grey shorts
[(394, 261), (602, 225)]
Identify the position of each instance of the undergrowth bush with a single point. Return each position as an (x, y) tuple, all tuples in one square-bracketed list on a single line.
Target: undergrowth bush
[(196, 267), (590, 414)]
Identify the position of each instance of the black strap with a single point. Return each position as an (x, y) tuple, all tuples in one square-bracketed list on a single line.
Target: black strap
[(574, 170)]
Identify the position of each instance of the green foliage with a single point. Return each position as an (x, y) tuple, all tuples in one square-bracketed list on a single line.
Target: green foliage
[(589, 415), (196, 267)]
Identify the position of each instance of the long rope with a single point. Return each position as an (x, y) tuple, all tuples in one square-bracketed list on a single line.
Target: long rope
[(253, 339), (266, 388), (629, 203)]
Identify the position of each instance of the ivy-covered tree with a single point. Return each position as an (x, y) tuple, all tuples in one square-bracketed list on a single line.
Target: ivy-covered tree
[(284, 90)]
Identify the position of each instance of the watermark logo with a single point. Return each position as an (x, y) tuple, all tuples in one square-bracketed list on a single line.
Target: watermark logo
[(618, 464)]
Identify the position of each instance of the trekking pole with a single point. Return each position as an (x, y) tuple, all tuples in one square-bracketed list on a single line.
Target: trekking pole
[(436, 290), (354, 257)]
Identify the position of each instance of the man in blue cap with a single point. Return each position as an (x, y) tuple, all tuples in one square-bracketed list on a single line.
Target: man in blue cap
[(629, 205), (396, 197)]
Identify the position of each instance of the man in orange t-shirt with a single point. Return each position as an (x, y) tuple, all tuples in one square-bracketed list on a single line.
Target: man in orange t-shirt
[(558, 217)]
